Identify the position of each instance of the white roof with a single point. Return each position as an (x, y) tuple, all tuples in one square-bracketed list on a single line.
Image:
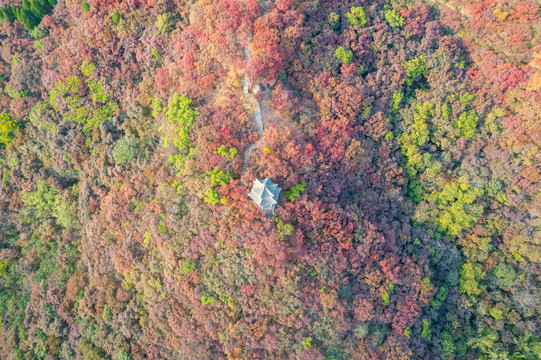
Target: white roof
[(265, 194)]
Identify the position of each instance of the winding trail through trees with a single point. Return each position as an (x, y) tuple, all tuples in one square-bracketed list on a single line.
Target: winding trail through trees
[(253, 105)]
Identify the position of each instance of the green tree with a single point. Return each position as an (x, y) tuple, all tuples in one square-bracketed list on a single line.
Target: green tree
[(393, 18), (386, 296), (448, 347), (414, 68), (407, 332), (90, 351), (86, 6), (467, 123), (425, 332), (123, 355), (116, 18), (217, 178), (4, 267), (295, 191), (356, 16), (397, 100), (188, 266), (345, 56), (106, 314), (505, 274), (74, 107), (487, 343), (164, 23), (182, 115), (7, 129), (6, 13), (45, 201), (231, 153), (455, 210), (419, 129), (206, 300), (156, 58), (212, 197), (30, 13), (333, 20), (470, 276), (25, 16), (496, 313), (284, 229), (466, 99), (125, 150), (445, 110)]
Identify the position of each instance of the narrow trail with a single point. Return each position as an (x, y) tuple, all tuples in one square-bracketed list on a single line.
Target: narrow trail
[(253, 105), (252, 101)]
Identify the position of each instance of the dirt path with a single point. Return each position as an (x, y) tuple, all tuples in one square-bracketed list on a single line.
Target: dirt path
[(253, 105)]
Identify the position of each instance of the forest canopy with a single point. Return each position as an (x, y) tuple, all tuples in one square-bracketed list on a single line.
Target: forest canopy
[(404, 135)]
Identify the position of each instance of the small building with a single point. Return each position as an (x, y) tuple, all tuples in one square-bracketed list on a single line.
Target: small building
[(265, 194)]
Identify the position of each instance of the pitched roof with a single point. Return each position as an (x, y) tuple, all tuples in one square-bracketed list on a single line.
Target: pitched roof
[(265, 194)]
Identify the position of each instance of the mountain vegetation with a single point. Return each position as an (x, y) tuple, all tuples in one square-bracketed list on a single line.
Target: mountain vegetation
[(405, 135)]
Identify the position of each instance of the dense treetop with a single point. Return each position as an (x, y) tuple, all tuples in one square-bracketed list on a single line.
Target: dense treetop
[(405, 135)]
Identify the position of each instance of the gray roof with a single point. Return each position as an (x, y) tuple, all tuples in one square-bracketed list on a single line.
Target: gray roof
[(265, 194)]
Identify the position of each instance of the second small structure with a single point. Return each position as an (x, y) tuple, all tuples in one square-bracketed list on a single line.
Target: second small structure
[(265, 194)]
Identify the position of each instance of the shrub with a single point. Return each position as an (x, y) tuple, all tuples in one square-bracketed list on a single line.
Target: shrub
[(125, 150)]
